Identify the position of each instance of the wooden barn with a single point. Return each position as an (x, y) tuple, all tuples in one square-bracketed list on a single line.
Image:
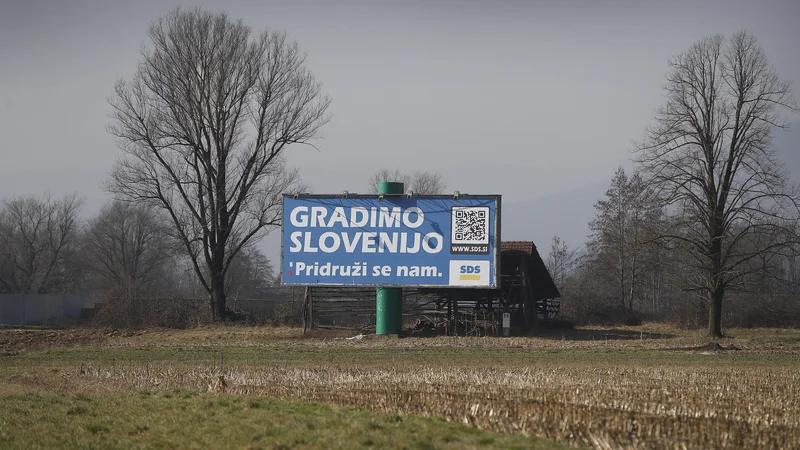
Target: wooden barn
[(526, 291)]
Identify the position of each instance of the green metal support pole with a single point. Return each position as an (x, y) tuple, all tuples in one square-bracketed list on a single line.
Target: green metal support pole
[(389, 301)]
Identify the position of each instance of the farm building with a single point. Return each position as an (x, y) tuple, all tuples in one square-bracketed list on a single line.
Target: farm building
[(526, 291)]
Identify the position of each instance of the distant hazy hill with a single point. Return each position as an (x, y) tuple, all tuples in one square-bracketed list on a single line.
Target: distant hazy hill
[(565, 214)]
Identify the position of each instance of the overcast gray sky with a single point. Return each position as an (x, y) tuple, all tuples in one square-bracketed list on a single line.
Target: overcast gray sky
[(536, 100)]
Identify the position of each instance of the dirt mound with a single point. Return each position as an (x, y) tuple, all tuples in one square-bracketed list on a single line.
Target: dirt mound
[(710, 347), (14, 340)]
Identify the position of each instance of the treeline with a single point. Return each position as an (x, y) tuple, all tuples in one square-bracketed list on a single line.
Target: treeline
[(131, 259), (706, 231), (632, 269), (126, 257)]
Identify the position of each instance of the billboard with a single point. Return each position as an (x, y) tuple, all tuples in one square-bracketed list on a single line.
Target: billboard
[(394, 240)]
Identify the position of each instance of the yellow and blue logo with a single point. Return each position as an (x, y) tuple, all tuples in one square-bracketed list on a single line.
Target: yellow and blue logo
[(469, 273)]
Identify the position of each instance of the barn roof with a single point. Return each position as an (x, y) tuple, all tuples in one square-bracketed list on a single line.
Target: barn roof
[(527, 247)]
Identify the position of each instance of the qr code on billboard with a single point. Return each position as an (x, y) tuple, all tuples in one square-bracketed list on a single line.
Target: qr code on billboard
[(470, 225)]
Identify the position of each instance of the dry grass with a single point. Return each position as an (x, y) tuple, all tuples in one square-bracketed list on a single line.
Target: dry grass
[(602, 388)]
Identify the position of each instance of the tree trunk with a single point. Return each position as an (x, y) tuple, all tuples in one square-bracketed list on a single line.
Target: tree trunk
[(218, 297), (633, 283), (715, 311), (716, 287)]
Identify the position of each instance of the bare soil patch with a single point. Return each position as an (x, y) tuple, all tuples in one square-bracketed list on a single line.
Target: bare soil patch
[(14, 340)]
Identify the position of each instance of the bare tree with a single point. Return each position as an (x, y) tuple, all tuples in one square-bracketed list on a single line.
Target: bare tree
[(128, 246), (388, 175), (561, 262), (36, 237), (710, 156), (621, 242), (203, 125), (420, 182), (251, 275), (427, 183)]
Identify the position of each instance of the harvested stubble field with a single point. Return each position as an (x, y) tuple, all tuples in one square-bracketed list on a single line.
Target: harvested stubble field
[(641, 387)]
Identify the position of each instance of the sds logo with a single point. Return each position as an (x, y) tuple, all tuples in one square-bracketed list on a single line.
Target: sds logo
[(470, 273)]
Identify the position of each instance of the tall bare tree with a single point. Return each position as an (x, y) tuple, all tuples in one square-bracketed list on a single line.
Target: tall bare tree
[(36, 237), (621, 242), (128, 245), (203, 125), (710, 156), (420, 182)]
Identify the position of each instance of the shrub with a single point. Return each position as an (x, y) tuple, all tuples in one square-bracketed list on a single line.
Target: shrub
[(130, 312)]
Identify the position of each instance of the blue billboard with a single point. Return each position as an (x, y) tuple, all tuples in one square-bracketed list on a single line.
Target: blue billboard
[(393, 240)]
